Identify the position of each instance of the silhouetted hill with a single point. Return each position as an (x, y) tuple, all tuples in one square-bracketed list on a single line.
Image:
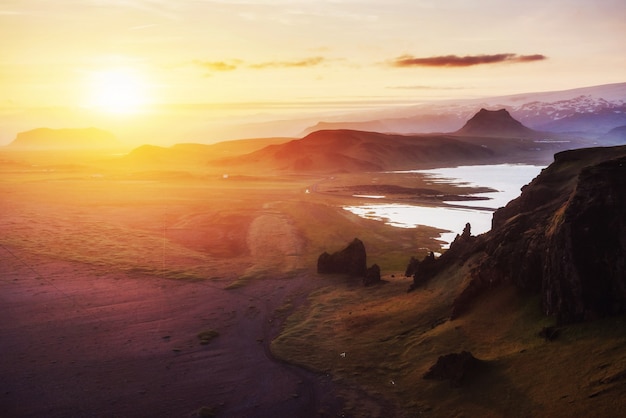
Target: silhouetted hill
[(198, 153), (564, 238), (615, 136), (370, 126), (489, 137), (496, 123), (349, 151), (65, 139)]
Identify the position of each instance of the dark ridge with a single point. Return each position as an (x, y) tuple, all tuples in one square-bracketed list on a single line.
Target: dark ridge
[(564, 238)]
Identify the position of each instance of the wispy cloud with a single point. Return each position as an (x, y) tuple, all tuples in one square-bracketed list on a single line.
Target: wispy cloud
[(231, 65), (463, 61), (307, 62), (218, 65)]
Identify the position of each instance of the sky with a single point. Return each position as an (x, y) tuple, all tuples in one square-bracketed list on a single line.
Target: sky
[(122, 55)]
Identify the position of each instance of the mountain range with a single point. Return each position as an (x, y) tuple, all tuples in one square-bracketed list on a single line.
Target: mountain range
[(590, 111), (489, 137)]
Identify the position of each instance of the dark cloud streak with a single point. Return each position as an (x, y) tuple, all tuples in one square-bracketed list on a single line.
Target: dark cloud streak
[(465, 61)]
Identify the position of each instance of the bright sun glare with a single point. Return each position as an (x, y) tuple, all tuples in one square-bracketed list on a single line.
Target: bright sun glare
[(118, 91)]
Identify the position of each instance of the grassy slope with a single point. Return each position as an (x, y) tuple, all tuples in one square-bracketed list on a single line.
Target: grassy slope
[(391, 338)]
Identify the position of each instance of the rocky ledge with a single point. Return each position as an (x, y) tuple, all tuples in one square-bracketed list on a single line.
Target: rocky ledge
[(564, 238)]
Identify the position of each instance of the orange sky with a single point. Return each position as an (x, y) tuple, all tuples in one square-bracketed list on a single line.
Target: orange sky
[(120, 56), (267, 50)]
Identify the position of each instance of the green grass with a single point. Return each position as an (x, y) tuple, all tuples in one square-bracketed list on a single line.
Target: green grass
[(391, 338)]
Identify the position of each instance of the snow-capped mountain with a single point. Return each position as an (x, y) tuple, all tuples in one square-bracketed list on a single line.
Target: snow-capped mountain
[(589, 112), (594, 110)]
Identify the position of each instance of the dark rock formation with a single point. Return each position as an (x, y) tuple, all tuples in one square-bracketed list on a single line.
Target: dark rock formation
[(372, 275), (549, 333), (351, 260), (421, 270), (455, 367), (564, 237), (584, 272), (430, 266)]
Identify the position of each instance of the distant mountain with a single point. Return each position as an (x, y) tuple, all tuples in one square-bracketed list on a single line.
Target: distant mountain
[(198, 153), (615, 136), (496, 123), (489, 137), (370, 126), (583, 114), (591, 110), (336, 151), (65, 139), (349, 151)]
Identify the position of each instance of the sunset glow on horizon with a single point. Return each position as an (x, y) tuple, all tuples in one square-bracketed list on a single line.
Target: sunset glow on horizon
[(117, 90), (122, 61), (277, 50)]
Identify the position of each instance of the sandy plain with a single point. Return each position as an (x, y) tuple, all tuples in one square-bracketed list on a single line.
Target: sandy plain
[(111, 274)]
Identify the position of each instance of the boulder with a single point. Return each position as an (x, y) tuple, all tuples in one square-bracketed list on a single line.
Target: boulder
[(455, 367)]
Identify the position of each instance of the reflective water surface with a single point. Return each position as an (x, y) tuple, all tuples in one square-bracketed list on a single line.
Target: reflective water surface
[(507, 179)]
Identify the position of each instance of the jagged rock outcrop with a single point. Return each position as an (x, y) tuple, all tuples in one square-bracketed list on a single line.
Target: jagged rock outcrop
[(455, 367), (564, 237), (430, 266), (372, 276), (352, 260)]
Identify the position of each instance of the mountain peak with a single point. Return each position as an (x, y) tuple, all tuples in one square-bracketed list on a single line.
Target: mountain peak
[(495, 123)]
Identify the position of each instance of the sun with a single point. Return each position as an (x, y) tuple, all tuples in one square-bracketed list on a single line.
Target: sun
[(118, 90)]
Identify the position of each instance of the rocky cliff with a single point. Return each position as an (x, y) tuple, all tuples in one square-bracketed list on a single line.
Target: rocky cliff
[(564, 237)]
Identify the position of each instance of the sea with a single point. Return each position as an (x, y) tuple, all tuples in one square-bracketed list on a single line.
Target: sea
[(506, 179)]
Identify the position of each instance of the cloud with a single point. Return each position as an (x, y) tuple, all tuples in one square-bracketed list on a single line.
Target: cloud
[(307, 62), (235, 64), (218, 65), (466, 61)]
